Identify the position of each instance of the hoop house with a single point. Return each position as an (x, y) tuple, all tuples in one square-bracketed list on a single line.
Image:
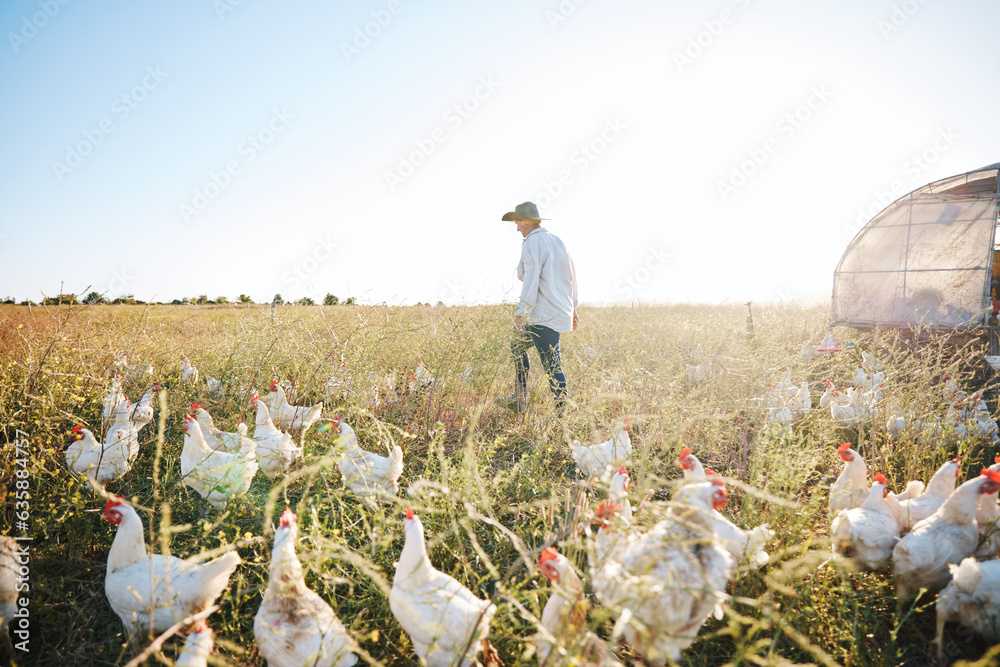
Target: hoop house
[(925, 260)]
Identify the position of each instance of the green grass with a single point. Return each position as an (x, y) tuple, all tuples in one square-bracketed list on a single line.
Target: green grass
[(498, 487)]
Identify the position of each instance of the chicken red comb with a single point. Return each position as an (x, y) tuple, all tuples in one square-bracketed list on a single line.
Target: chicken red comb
[(606, 512), (711, 473), (828, 383), (992, 474), (622, 471), (287, 518), (783, 368), (197, 406), (957, 459), (273, 386), (880, 478), (548, 553), (844, 446), (199, 626), (255, 398), (685, 452), (78, 428), (409, 513), (114, 501), (719, 482)]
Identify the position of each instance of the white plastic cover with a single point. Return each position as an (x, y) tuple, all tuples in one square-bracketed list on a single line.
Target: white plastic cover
[(924, 261)]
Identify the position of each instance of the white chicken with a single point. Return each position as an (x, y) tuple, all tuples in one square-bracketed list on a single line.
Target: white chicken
[(197, 646), (276, 450), (921, 505), (447, 623), (984, 426), (565, 619), (294, 626), (338, 387), (8, 580), (952, 392), (921, 558), (690, 465), (217, 439), (421, 378), (851, 488), (788, 388), (867, 534), (140, 372), (189, 373), (871, 361), (123, 430), (290, 417), (120, 364), (993, 361), (89, 458), (216, 476), (114, 398), (865, 379), (671, 579), (987, 518), (142, 413), (824, 400), (615, 518), (365, 473), (603, 458), (151, 593), (972, 598), (743, 545), (896, 422), (850, 411), (801, 403), (466, 376), (955, 429)]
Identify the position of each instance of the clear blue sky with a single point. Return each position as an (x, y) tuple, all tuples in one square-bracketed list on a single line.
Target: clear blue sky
[(685, 151)]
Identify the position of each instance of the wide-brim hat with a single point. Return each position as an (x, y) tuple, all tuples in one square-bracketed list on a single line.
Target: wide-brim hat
[(525, 211)]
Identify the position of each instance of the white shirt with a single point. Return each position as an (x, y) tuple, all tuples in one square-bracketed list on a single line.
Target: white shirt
[(549, 294)]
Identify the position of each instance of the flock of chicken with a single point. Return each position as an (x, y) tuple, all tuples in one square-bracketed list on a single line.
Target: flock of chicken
[(293, 626), (935, 536), (664, 580), (965, 417)]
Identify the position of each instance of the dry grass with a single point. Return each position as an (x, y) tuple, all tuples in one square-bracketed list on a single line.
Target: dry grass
[(503, 487)]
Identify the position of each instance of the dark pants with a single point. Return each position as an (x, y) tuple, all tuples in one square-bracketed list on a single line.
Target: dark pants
[(546, 341)]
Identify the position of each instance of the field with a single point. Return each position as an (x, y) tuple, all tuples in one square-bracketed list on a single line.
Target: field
[(499, 487)]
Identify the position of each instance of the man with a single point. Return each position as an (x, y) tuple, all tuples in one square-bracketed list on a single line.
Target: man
[(547, 306)]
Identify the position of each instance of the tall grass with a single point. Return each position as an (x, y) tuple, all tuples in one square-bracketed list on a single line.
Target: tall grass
[(492, 488)]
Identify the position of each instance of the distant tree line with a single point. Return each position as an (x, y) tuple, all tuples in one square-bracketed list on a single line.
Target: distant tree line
[(200, 300)]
